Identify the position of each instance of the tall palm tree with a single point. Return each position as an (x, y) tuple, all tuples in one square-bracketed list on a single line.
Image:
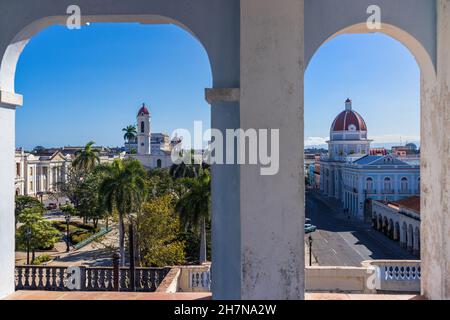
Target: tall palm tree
[(87, 158), (183, 170), (130, 133), (123, 189), (194, 207)]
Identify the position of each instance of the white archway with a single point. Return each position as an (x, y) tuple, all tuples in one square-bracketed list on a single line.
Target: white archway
[(19, 42)]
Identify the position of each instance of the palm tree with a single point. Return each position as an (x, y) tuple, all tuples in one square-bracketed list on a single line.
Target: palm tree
[(130, 133), (194, 207), (87, 158), (123, 189), (183, 170)]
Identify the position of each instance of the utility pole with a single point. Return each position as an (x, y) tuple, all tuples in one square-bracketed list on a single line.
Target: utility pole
[(310, 239)]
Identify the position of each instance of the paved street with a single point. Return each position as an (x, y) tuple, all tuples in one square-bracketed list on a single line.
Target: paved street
[(340, 242)]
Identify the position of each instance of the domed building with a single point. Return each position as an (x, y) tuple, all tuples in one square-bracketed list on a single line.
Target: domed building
[(348, 134), (352, 174)]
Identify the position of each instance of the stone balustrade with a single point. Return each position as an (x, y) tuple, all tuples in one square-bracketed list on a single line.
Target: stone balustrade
[(56, 278), (375, 276)]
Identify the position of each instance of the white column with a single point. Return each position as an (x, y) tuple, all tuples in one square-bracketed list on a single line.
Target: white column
[(272, 207), (435, 167), (416, 245), (7, 172)]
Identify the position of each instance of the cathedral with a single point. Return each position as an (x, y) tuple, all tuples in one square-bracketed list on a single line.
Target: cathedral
[(153, 150), (354, 173)]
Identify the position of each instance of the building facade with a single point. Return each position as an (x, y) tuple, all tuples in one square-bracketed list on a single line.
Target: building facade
[(153, 149), (354, 174), (400, 221), (41, 172)]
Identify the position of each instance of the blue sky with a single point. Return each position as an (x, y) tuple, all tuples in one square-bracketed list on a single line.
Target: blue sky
[(378, 73), (88, 84)]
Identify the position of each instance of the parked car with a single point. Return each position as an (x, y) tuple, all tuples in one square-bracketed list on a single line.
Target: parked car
[(52, 206), (307, 221), (309, 228)]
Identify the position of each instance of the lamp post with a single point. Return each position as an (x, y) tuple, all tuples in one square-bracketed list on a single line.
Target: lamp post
[(310, 240), (67, 232), (28, 238)]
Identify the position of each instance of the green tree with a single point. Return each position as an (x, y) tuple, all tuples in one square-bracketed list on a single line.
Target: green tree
[(129, 133), (158, 229), (42, 233), (123, 189), (194, 207), (71, 186), (26, 202), (87, 158)]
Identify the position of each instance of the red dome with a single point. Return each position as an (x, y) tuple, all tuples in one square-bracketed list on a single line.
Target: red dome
[(349, 120), (143, 110)]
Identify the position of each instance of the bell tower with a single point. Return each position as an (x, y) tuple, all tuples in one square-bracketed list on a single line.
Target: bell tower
[(144, 131)]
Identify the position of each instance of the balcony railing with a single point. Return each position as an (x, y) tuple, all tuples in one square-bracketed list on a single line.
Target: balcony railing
[(404, 191), (370, 191), (375, 276), (91, 278), (385, 191)]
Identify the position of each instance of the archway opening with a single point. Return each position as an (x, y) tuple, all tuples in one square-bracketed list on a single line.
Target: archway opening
[(362, 128), (89, 85)]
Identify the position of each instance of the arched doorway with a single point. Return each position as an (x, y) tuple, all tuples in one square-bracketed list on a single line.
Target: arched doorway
[(225, 70)]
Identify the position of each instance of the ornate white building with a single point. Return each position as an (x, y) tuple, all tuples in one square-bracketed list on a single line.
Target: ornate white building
[(350, 173), (153, 149), (399, 220), (39, 173)]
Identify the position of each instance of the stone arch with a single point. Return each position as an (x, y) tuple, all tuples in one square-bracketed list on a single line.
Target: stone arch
[(391, 232), (404, 235), (397, 232), (20, 40), (385, 225), (404, 183), (423, 57), (416, 245), (215, 24), (410, 242), (380, 222)]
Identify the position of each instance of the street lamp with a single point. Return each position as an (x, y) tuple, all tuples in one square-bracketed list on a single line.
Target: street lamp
[(67, 235), (310, 240), (28, 238)]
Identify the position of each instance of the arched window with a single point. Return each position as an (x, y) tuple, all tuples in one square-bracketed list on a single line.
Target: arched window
[(387, 184), (142, 127), (369, 184), (404, 184), (159, 163)]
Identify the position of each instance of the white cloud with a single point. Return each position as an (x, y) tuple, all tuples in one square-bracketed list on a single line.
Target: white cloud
[(391, 138), (316, 141)]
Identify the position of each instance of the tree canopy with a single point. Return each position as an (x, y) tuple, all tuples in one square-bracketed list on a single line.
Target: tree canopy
[(158, 229)]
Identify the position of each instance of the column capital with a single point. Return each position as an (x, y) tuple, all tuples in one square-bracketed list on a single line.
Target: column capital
[(10, 100), (213, 95)]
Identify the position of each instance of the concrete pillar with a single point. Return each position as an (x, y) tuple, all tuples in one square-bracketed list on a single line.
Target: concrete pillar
[(272, 207), (403, 236), (7, 172), (435, 167), (416, 245), (409, 244)]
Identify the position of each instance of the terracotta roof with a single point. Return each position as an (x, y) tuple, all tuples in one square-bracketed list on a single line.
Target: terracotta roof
[(412, 203), (347, 118), (143, 110)]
